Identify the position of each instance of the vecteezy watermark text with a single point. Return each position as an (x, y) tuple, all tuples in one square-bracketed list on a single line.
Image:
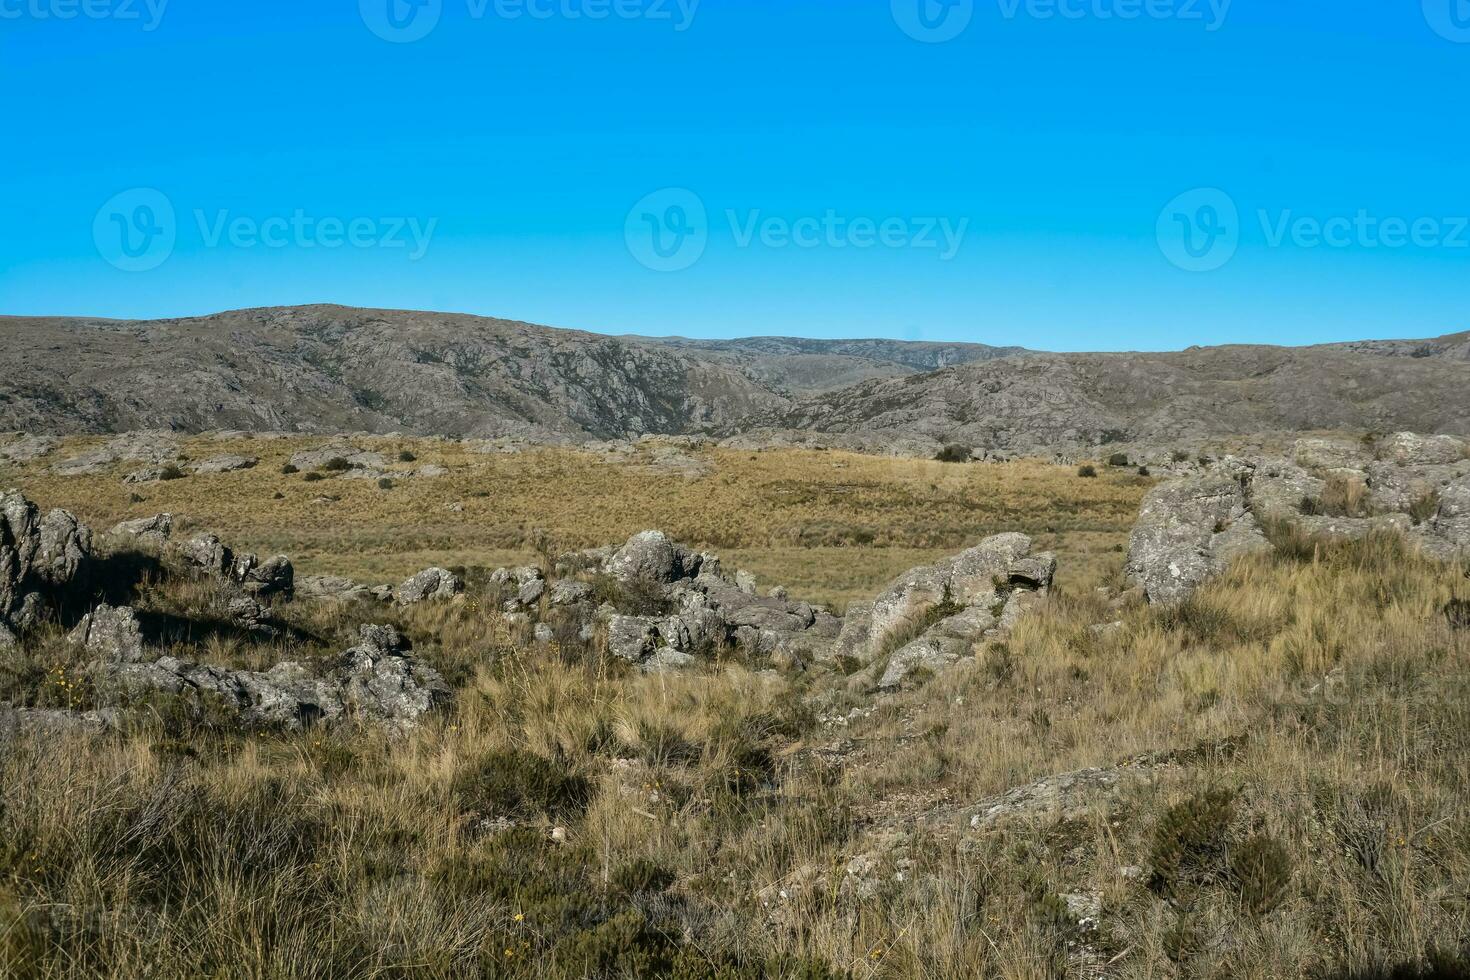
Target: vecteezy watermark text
[(1201, 230), (937, 21), (148, 13), (669, 231), (405, 21), (138, 230)]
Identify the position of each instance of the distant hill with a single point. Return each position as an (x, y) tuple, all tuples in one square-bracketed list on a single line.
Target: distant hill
[(339, 369)]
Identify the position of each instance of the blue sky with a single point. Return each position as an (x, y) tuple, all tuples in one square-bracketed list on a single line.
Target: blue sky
[(1001, 171)]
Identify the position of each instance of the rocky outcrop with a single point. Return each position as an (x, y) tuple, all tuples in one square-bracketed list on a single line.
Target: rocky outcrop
[(229, 463), (1187, 533), (981, 577), (1408, 449), (378, 681), (432, 584), (23, 448), (110, 634), (349, 455), (333, 587), (39, 558), (270, 579), (149, 446), (523, 586), (156, 529), (652, 556), (50, 722)]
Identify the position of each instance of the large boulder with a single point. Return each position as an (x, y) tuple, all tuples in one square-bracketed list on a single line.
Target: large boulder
[(981, 576), (331, 587), (652, 556), (1328, 454), (1188, 531), (269, 579), (1447, 534), (940, 647), (1398, 489), (1409, 449), (110, 634), (228, 463), (525, 586), (157, 529), (428, 585), (39, 557), (209, 555), (1280, 487)]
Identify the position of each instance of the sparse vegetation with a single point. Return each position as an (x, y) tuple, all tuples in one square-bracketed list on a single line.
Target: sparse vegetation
[(1087, 471)]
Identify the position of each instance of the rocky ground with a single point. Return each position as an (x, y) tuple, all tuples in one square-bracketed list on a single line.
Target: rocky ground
[(1242, 756)]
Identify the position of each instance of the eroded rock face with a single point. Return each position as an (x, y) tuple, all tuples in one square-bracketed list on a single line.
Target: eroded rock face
[(429, 585), (377, 681), (39, 556), (1187, 533)]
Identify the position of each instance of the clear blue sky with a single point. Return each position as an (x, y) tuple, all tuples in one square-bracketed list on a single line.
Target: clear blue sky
[(520, 145)]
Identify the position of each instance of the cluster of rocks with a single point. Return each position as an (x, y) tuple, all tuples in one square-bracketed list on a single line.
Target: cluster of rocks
[(984, 591), (377, 681), (1190, 529), (40, 557)]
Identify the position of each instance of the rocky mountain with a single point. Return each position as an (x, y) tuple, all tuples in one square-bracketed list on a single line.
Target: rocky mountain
[(335, 369), (327, 368), (1075, 400), (803, 367)]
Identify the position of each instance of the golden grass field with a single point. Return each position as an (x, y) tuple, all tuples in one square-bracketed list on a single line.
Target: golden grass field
[(830, 526), (1291, 795)]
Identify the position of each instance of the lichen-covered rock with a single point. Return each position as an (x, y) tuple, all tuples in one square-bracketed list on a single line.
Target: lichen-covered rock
[(315, 459), (1398, 489), (940, 647), (210, 555), (569, 592), (632, 638), (981, 576), (1187, 532), (377, 681), (270, 579), (1409, 449), (1279, 487), (25, 448), (111, 634), (39, 557), (146, 446), (525, 585), (330, 587), (156, 529), (1326, 454), (1447, 534), (667, 661), (652, 556), (229, 463), (428, 585)]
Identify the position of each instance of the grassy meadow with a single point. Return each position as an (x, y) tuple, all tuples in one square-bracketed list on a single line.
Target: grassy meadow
[(1282, 758), (831, 527)]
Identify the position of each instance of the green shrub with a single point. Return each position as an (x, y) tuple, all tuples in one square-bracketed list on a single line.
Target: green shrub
[(313, 478), (515, 783), (1087, 471), (642, 876), (1118, 459), (1260, 870), (1189, 844), (171, 471), (1144, 471), (407, 457), (385, 484), (289, 469), (954, 454), (336, 465)]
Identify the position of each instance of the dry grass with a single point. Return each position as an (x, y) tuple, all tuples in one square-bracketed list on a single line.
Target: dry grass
[(1296, 803), (830, 526)]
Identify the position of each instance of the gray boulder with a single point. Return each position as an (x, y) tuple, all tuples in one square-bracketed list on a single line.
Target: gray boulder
[(228, 463), (270, 579), (314, 459), (26, 448), (1447, 534), (1409, 449), (526, 586), (209, 555), (981, 576), (569, 592), (1327, 454), (156, 529), (632, 638), (430, 584), (940, 647), (39, 556), (377, 681), (653, 557), (667, 661), (1279, 487), (1187, 533), (330, 587), (110, 634)]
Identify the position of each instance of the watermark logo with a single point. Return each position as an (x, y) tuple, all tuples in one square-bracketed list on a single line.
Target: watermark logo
[(933, 21), (405, 21), (1199, 231), (1449, 18), (136, 230), (1210, 13), (668, 230), (401, 21), (147, 13)]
